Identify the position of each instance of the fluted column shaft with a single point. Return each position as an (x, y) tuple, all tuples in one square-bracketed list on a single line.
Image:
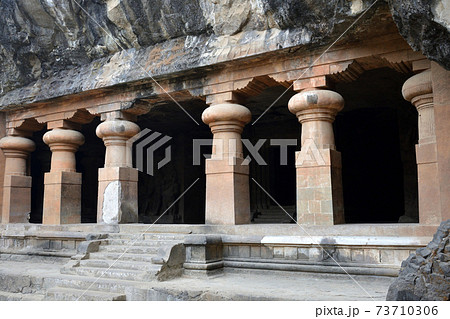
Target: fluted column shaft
[(418, 90), (227, 181), (62, 190), (117, 181), (17, 185), (318, 164)]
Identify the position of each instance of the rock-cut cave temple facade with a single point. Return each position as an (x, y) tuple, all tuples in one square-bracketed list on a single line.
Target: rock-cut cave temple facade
[(359, 90)]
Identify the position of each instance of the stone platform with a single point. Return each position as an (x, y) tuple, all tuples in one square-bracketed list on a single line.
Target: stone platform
[(30, 281), (251, 262)]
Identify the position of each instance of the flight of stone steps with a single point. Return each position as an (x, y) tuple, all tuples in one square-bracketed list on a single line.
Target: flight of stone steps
[(274, 215), (106, 274)]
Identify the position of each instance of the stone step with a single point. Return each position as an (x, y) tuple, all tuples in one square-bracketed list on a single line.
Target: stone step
[(151, 243), (277, 211), (121, 256), (143, 250), (124, 274), (112, 285), (119, 264), (148, 236), (271, 221), (10, 296), (70, 294), (281, 217)]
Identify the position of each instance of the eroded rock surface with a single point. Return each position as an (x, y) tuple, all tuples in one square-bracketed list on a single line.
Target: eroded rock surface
[(425, 24), (425, 275), (41, 38)]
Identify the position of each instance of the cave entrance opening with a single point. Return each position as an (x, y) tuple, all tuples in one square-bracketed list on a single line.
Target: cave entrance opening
[(276, 178), (376, 133), (159, 193)]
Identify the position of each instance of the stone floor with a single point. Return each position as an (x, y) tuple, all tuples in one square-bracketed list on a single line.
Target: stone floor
[(20, 280)]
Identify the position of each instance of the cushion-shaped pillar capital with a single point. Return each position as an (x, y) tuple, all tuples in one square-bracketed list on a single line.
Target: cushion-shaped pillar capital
[(115, 134), (316, 111), (63, 143), (16, 150), (417, 89), (316, 105), (227, 112)]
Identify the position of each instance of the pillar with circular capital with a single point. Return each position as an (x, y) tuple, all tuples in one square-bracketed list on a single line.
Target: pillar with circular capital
[(227, 181), (17, 185), (318, 164), (117, 181), (62, 190), (418, 90)]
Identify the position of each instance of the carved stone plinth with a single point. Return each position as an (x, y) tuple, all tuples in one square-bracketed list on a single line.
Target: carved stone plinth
[(318, 164), (204, 255), (117, 195), (227, 192), (62, 190), (17, 186), (117, 181), (62, 198), (418, 90), (227, 183)]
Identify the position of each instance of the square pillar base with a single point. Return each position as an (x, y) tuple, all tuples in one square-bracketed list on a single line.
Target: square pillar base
[(319, 188), (227, 193), (204, 256), (62, 198), (117, 195), (16, 199), (429, 189)]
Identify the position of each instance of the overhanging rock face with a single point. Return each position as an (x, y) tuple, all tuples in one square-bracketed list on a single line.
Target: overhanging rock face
[(41, 39), (57, 36), (425, 25)]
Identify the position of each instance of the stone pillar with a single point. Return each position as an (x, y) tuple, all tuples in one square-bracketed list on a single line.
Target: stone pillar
[(17, 185), (62, 190), (227, 181), (318, 164), (440, 78), (418, 90), (117, 181)]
